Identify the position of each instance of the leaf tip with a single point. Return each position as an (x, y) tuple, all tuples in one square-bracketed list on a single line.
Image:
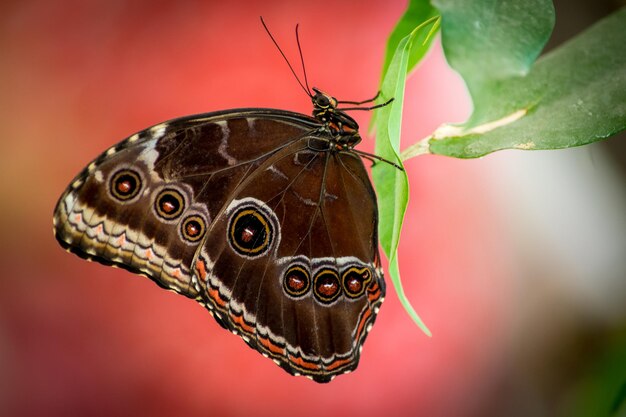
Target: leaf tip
[(422, 326)]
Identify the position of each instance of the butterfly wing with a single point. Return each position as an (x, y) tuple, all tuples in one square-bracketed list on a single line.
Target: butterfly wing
[(292, 265), (146, 203), (161, 203)]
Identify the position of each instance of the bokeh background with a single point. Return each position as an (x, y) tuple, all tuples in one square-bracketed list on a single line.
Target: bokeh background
[(516, 261)]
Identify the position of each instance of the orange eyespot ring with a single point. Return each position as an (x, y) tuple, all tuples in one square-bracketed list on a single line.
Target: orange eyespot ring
[(250, 232), (326, 286), (125, 184), (169, 204), (193, 228), (296, 281), (355, 281)]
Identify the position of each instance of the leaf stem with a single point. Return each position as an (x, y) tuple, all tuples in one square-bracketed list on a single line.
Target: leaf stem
[(421, 147)]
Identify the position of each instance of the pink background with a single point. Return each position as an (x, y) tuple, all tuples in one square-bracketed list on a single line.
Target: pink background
[(79, 338)]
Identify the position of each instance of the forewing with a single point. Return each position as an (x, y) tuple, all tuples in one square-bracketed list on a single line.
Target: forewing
[(146, 203)]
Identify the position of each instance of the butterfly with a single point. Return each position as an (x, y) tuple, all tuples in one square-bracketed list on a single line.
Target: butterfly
[(266, 217)]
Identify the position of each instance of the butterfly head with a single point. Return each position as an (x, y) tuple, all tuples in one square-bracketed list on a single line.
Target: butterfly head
[(322, 100), (338, 122)]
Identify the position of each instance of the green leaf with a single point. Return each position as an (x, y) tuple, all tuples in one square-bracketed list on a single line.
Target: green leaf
[(417, 12), (392, 183), (488, 41), (572, 96)]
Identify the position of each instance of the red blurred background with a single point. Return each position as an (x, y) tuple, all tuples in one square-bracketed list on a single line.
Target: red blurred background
[(78, 338)]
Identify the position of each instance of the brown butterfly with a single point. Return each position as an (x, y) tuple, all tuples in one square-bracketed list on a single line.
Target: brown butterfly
[(266, 217)]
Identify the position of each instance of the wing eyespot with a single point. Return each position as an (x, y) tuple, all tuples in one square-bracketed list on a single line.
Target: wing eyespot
[(169, 204), (297, 281), (326, 285), (193, 228), (125, 185), (252, 229), (355, 281)]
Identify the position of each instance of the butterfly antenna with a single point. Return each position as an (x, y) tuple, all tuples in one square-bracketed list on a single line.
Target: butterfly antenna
[(308, 93), (306, 81)]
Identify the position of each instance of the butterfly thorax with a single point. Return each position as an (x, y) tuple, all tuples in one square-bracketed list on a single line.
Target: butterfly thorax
[(343, 128)]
